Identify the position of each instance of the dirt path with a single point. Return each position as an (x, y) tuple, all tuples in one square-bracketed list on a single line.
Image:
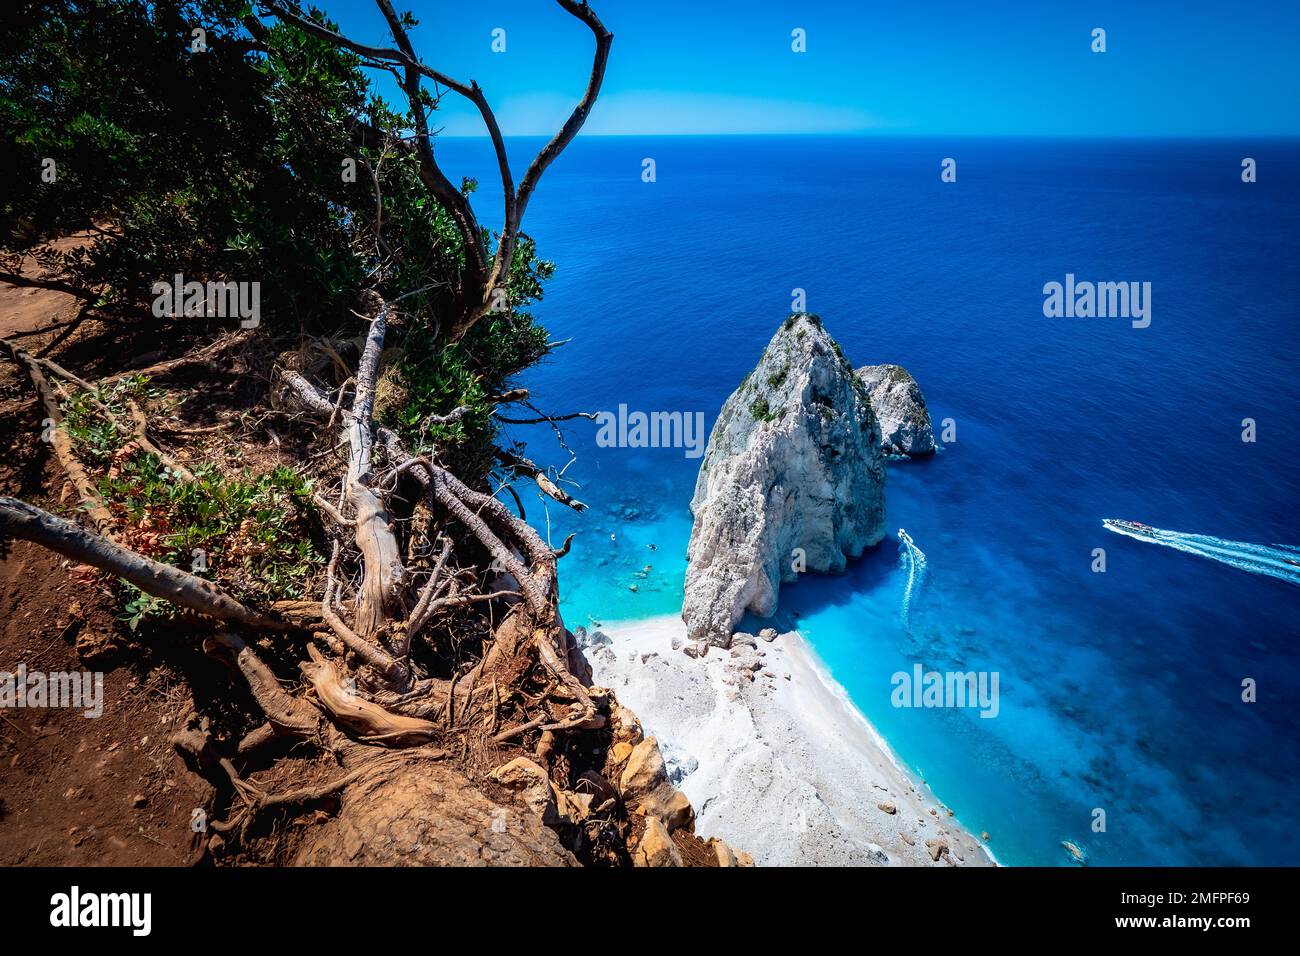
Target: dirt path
[(26, 308), (70, 786)]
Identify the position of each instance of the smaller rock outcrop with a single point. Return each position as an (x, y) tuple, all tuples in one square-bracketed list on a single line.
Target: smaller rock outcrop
[(726, 858), (900, 408)]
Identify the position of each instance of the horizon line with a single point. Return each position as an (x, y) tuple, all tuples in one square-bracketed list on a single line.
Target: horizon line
[(896, 134)]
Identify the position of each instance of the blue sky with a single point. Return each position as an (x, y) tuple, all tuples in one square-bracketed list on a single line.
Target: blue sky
[(1002, 67)]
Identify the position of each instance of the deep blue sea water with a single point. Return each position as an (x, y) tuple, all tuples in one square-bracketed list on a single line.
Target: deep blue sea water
[(1119, 691)]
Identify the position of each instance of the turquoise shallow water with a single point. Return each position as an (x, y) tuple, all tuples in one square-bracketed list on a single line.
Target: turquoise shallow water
[(1119, 691)]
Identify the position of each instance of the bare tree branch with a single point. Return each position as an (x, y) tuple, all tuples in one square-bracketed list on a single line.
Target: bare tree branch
[(548, 153), (456, 203), (525, 466), (479, 294)]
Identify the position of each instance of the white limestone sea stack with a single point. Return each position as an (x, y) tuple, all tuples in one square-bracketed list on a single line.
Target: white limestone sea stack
[(899, 405), (793, 479)]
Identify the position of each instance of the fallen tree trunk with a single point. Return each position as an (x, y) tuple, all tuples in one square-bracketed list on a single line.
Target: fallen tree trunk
[(18, 519), (379, 598)]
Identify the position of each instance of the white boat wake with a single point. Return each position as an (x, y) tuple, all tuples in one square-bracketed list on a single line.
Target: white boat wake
[(914, 560), (1281, 561)]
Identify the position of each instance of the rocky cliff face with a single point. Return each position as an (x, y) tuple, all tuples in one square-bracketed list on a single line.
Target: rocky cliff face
[(793, 479), (900, 407)]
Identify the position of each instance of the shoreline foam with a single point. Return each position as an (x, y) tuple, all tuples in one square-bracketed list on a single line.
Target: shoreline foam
[(784, 766)]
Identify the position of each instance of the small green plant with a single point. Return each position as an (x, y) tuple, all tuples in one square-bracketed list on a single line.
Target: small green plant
[(761, 412), (141, 606), (249, 533), (844, 361), (95, 437), (777, 379)]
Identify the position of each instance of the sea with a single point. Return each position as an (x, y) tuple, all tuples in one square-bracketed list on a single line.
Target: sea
[(1149, 696)]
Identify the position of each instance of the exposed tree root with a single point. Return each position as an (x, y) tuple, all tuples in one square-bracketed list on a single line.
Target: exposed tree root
[(58, 438), (415, 667), (369, 722), (287, 715)]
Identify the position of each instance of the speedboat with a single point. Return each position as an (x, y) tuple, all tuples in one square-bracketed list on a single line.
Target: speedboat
[(1120, 524)]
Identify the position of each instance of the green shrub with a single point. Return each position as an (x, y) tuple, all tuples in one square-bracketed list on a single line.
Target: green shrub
[(251, 533), (761, 412), (227, 164)]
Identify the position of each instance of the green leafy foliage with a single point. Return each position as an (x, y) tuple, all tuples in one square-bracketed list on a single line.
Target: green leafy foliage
[(252, 534), (761, 412), (225, 163), (97, 437), (141, 606), (228, 164), (438, 378)]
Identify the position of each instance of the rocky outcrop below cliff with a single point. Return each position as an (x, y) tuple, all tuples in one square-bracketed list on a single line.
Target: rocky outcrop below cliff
[(900, 408), (622, 808), (793, 480)]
